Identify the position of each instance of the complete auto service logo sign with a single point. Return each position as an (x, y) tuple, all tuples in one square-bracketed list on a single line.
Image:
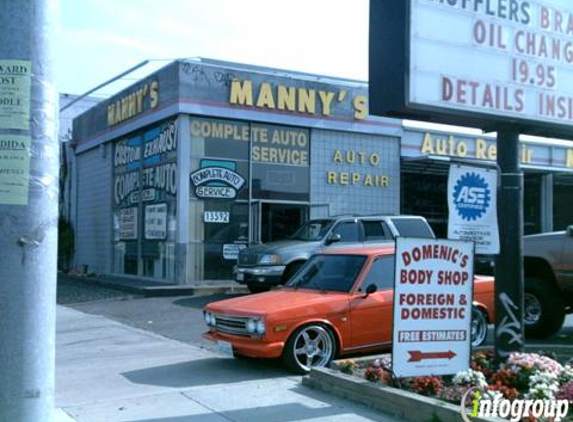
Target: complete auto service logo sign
[(472, 202), (217, 180)]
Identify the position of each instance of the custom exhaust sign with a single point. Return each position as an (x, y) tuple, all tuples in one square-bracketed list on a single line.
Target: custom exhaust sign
[(433, 294)]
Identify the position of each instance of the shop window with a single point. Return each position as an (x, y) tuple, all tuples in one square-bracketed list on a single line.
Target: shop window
[(281, 221), (280, 157), (381, 274), (425, 194), (145, 202), (222, 138)]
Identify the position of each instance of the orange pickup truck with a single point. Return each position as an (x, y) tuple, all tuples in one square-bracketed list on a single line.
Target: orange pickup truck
[(339, 302)]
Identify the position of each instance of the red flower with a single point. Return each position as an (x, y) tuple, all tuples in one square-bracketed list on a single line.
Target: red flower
[(427, 386)]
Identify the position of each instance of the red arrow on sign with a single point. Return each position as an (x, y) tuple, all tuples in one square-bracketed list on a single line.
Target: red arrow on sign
[(417, 356)]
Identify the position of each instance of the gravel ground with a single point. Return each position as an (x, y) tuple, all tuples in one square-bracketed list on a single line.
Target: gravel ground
[(79, 290)]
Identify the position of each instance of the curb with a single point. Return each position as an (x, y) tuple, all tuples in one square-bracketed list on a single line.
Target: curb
[(154, 289), (399, 403)]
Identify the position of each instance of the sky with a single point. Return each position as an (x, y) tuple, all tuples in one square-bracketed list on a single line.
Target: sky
[(99, 39)]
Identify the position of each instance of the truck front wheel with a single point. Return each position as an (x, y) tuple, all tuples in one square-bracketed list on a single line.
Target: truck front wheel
[(543, 309)]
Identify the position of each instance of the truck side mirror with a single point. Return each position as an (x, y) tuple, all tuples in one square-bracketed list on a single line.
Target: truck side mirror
[(570, 231), (333, 238)]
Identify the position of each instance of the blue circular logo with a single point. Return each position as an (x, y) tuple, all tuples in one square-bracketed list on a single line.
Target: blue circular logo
[(472, 196)]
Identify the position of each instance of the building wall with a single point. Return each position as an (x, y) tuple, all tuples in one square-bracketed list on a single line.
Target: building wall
[(94, 207), (354, 173)]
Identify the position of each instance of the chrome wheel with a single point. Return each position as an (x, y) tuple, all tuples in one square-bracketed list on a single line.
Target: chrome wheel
[(478, 328), (532, 309), (313, 346)]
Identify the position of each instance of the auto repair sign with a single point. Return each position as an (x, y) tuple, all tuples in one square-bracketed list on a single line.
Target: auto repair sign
[(472, 203), (433, 290)]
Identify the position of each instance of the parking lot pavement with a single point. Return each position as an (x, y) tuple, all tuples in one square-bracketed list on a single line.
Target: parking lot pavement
[(110, 372), (178, 318)]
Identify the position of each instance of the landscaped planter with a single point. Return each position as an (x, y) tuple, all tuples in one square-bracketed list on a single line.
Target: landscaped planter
[(526, 377), (402, 404)]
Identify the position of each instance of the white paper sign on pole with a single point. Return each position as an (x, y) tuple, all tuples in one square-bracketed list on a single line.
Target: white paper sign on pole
[(433, 293), (472, 203)]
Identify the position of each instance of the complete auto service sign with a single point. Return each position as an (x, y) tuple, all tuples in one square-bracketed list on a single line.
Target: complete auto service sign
[(433, 293)]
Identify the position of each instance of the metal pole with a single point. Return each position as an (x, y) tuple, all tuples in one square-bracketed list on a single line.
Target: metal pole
[(509, 335), (115, 78), (28, 212)]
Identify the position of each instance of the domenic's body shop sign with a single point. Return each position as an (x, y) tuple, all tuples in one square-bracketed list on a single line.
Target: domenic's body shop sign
[(433, 290), (474, 62)]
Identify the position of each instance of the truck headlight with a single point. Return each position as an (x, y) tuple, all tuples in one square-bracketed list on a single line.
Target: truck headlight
[(261, 329), (270, 259)]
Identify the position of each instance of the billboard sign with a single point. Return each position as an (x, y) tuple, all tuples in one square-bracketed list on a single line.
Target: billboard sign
[(433, 293), (474, 62)]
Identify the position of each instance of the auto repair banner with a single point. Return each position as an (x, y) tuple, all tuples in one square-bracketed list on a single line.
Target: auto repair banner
[(433, 293), (472, 203)]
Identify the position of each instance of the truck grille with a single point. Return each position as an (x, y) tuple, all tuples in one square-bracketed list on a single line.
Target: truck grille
[(232, 325), (248, 258)]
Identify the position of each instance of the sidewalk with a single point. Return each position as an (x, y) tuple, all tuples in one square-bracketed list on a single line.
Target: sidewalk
[(110, 372)]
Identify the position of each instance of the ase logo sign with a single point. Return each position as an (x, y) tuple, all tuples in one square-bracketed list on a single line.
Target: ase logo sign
[(472, 196), (472, 202)]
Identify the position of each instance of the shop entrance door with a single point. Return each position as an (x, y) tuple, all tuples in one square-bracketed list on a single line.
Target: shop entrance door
[(278, 220)]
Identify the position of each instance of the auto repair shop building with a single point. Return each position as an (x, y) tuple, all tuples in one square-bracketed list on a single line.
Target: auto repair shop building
[(176, 173)]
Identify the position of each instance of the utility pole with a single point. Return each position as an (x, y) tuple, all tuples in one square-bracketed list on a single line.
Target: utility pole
[(509, 335), (29, 164)]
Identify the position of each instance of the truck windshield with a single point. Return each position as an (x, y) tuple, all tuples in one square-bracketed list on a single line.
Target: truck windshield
[(336, 273), (313, 230)]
